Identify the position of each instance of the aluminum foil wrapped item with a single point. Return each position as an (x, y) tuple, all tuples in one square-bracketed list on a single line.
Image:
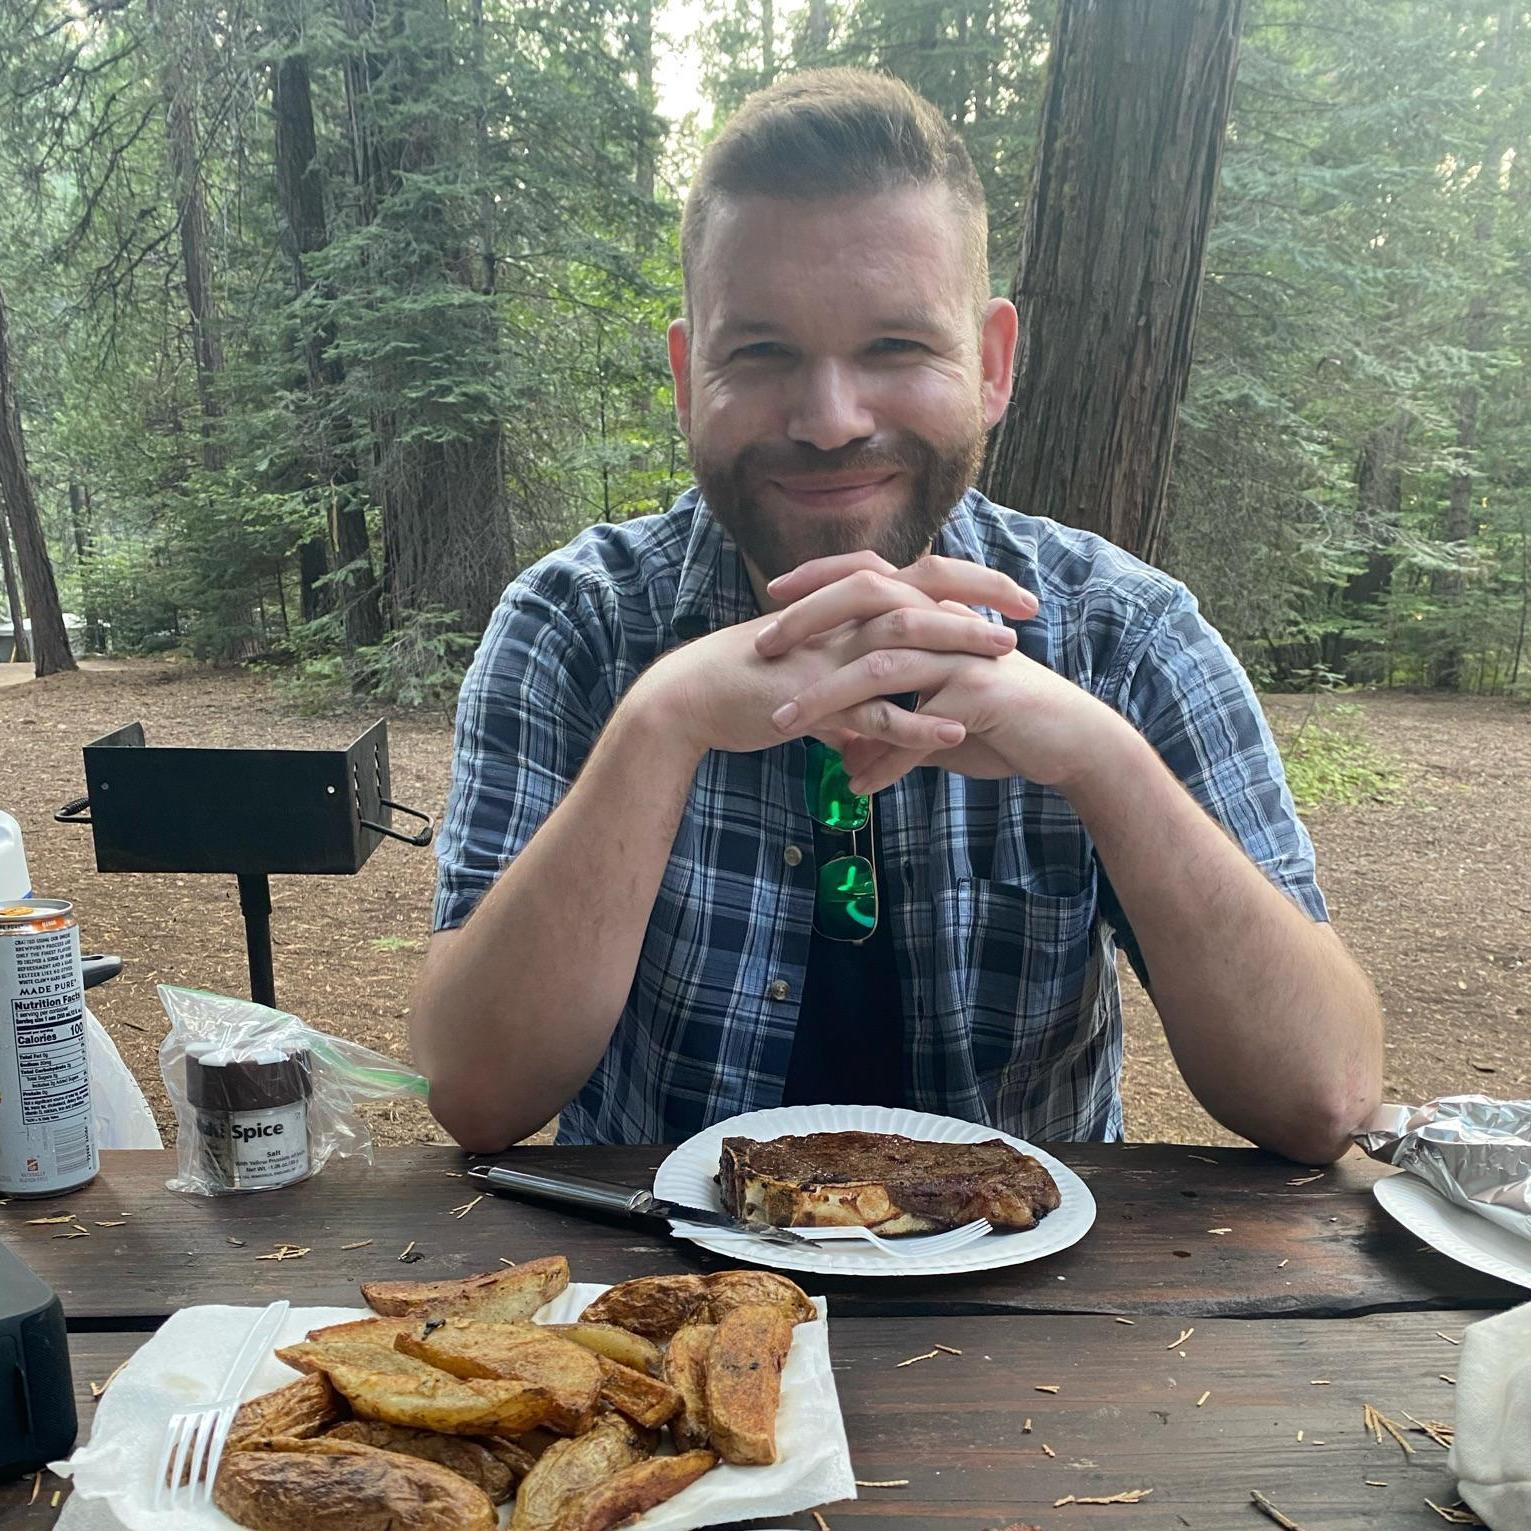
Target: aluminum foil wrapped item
[(1474, 1150)]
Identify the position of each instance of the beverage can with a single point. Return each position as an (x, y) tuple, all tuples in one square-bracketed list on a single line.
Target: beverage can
[(47, 1132)]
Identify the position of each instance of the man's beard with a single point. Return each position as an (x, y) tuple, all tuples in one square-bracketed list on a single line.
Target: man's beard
[(937, 479)]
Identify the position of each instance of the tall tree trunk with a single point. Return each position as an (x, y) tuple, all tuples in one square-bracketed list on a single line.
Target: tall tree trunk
[(191, 206), (768, 38), (313, 565), (1110, 270), (818, 30), (12, 594), (641, 43), (184, 68), (447, 531), (1379, 511), (300, 196), (79, 520), (1450, 586), (1525, 600), (50, 642)]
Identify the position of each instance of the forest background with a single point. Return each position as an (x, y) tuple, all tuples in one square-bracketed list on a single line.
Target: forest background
[(320, 318), (326, 316)]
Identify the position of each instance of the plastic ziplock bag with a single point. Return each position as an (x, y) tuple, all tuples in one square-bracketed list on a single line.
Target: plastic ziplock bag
[(249, 1043), (122, 1115)]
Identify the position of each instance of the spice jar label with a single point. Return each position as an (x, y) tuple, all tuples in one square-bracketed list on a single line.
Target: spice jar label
[(254, 1149)]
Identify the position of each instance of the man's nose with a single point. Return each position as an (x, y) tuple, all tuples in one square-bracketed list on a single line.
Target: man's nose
[(828, 409)]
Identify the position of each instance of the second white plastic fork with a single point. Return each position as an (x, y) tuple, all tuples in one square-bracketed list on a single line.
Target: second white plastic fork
[(194, 1438), (907, 1246)]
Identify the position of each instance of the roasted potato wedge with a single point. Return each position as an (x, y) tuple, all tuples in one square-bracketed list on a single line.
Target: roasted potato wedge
[(514, 1454), (653, 1306), (530, 1446), (473, 1460), (656, 1306), (432, 1400), (366, 1354), (517, 1353), (499, 1297), (302, 1409), (644, 1399), (341, 1486), (620, 1345), (380, 1332), (727, 1290), (360, 1354), (632, 1491), (744, 1362), (685, 1369), (568, 1468)]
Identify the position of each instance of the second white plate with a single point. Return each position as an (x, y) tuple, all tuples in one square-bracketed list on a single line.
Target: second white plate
[(1463, 1235), (688, 1176)]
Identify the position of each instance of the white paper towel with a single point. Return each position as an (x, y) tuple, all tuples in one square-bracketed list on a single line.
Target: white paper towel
[(184, 1364), (1491, 1450)]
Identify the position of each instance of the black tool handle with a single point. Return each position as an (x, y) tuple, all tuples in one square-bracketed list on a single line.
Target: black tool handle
[(570, 1190)]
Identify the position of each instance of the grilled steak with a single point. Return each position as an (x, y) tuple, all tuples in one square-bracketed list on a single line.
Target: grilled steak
[(882, 1181)]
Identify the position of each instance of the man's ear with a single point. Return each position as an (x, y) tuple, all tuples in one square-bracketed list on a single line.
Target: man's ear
[(997, 357), (678, 339)]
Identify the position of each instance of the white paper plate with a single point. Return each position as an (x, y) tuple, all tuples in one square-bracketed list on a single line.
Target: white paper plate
[(184, 1362), (1455, 1231), (687, 1176)]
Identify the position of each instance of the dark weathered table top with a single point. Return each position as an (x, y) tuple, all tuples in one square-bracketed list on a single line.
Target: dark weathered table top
[(1150, 1250), (1362, 1309)]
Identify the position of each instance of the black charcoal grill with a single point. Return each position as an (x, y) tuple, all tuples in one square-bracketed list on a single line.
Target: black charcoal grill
[(250, 812)]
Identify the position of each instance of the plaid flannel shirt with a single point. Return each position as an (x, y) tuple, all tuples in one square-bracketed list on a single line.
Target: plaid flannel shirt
[(1004, 925)]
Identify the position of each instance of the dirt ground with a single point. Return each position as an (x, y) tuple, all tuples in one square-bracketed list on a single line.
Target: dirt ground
[(1432, 893)]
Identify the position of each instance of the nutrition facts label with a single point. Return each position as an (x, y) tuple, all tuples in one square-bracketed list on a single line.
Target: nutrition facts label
[(45, 1126)]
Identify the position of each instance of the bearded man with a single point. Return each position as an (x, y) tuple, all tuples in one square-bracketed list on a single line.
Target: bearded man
[(839, 783)]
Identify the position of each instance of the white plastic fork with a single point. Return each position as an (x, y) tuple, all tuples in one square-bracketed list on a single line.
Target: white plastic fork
[(908, 1246), (194, 1438)]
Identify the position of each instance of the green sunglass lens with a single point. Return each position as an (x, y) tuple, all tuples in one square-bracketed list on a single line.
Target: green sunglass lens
[(828, 790), (847, 899)]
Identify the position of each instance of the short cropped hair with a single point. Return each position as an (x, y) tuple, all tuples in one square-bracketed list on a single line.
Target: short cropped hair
[(834, 133)]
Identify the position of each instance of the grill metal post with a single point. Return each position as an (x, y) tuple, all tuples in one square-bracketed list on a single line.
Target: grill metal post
[(255, 906)]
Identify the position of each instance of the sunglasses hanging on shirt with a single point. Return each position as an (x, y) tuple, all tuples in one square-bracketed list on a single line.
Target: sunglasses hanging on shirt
[(845, 900)]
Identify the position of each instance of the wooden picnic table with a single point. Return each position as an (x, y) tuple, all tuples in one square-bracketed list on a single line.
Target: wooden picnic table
[(1306, 1299)]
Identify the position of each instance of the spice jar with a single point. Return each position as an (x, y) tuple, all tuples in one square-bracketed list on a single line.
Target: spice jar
[(251, 1114)]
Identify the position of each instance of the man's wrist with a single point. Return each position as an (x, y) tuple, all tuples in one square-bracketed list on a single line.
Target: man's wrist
[(1112, 756), (651, 715)]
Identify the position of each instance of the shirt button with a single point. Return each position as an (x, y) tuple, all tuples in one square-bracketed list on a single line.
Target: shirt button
[(779, 988), (793, 856)]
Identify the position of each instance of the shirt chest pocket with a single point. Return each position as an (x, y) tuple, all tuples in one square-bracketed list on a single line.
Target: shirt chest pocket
[(1018, 971)]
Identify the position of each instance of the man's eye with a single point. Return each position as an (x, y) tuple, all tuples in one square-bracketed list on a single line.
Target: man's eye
[(891, 345), (762, 350)]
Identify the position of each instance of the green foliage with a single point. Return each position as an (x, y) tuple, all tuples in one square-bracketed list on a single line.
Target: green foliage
[(1362, 347), (420, 664), (465, 365), (125, 582), (1330, 761), (394, 944)]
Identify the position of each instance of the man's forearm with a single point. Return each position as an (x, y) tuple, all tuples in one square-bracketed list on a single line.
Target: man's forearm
[(1274, 1026), (513, 1012)]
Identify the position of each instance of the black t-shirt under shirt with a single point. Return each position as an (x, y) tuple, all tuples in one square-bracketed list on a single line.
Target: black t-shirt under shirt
[(849, 1046)]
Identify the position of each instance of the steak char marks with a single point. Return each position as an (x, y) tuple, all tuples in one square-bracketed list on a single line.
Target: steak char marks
[(883, 1181)]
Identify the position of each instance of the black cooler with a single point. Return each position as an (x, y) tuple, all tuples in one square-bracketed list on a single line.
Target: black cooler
[(37, 1419)]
